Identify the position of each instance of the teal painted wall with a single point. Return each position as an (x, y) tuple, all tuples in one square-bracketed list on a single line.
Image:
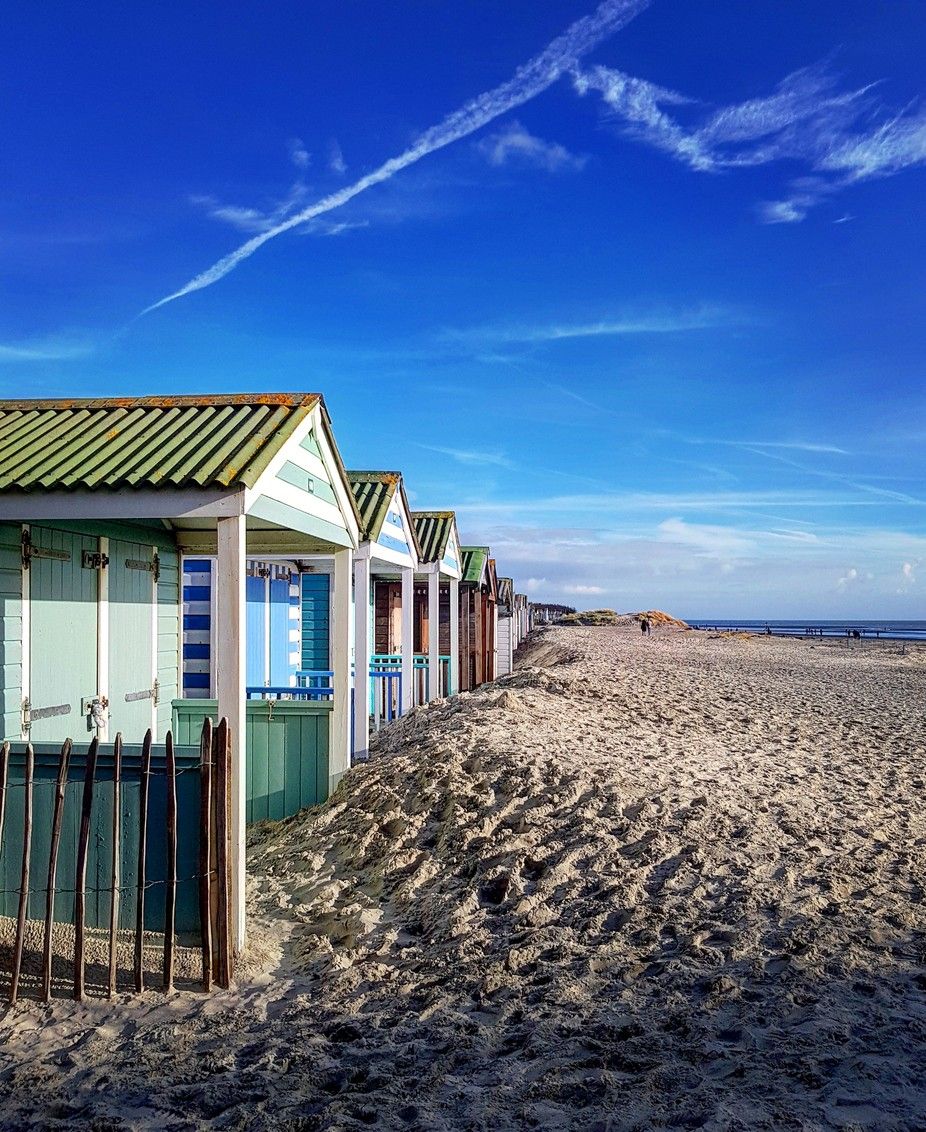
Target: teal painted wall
[(287, 752), (99, 861), (316, 610)]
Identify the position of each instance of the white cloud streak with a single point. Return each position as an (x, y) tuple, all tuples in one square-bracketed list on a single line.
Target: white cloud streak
[(470, 456), (842, 137), (703, 318), (49, 351), (516, 143), (531, 79)]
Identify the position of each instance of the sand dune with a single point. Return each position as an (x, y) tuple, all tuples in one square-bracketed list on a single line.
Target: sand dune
[(673, 882)]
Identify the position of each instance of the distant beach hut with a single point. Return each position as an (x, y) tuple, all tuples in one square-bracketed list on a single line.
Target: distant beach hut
[(384, 597), (478, 617), (104, 505), (507, 627), (437, 603)]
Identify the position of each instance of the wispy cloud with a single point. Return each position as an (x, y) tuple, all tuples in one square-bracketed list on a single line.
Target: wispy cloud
[(702, 318), (529, 80), (50, 350), (298, 154), (470, 456), (841, 136), (336, 162), (515, 143)]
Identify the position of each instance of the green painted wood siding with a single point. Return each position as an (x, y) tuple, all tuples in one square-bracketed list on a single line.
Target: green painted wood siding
[(99, 862), (316, 609), (11, 625), (287, 747)]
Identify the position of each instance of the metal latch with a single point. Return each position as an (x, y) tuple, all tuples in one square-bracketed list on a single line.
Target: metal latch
[(94, 560), (95, 709)]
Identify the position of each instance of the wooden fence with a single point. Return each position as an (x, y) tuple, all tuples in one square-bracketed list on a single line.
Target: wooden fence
[(151, 828)]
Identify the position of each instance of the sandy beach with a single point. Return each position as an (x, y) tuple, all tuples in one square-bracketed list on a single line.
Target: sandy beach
[(640, 883)]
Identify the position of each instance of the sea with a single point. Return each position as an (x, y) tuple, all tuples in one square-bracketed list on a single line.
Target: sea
[(884, 630)]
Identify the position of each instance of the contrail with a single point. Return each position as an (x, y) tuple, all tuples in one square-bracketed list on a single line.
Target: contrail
[(528, 81)]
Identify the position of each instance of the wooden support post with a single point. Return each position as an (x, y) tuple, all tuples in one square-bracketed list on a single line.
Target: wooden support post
[(408, 639), (205, 856), (361, 658), (80, 883), (230, 691), (221, 747), (57, 815), (340, 748), (24, 879), (143, 790), (116, 876), (434, 688), (170, 889), (454, 675)]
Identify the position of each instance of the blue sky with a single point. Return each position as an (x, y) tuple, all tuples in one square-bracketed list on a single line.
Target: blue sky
[(637, 288)]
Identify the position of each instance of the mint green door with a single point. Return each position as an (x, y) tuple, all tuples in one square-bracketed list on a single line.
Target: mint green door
[(132, 607), (64, 600)]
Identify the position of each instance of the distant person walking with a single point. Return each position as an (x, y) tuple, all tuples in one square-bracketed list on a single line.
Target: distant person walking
[(644, 626)]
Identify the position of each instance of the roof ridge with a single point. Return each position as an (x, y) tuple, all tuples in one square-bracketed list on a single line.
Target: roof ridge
[(285, 400)]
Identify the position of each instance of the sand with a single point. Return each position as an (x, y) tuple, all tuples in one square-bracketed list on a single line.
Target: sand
[(640, 883)]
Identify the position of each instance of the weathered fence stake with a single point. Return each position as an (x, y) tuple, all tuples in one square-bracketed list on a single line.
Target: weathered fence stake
[(221, 748), (170, 893), (142, 862), (80, 884), (115, 893), (24, 882), (4, 772), (60, 789), (205, 838)]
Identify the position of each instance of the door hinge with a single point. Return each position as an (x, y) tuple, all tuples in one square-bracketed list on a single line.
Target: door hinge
[(153, 566), (30, 551), (94, 560), (148, 694)]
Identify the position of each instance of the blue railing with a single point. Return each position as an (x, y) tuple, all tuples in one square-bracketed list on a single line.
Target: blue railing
[(310, 685)]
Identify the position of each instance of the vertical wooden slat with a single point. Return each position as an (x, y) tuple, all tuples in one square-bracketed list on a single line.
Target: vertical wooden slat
[(116, 878), (60, 789), (205, 840), (24, 879), (170, 893), (80, 883), (222, 751), (142, 862), (4, 776)]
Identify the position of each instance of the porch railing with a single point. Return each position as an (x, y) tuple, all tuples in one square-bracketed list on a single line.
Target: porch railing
[(316, 684)]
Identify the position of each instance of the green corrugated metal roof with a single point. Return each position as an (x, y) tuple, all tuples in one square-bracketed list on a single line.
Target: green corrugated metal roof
[(474, 560), (147, 442), (432, 529), (373, 492)]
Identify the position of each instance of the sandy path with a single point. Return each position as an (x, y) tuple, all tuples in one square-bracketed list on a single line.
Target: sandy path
[(665, 883)]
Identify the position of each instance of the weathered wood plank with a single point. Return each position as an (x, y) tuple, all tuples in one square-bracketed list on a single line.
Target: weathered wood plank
[(116, 878), (24, 880), (144, 785), (170, 895), (57, 817), (80, 883), (205, 840)]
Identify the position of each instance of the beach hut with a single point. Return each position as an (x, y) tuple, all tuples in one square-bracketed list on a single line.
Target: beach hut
[(507, 627), (104, 504), (384, 602), (478, 629), (521, 617), (437, 598)]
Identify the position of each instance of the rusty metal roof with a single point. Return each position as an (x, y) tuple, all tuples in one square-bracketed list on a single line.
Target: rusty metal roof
[(145, 442), (432, 529), (474, 560)]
